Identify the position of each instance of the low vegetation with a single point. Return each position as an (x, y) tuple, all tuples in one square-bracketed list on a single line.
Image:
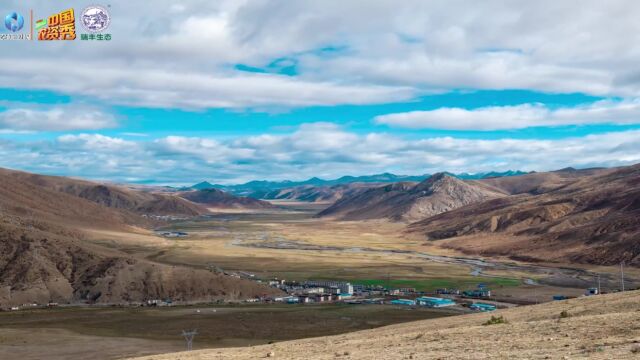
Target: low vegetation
[(605, 329), (157, 329), (433, 284), (495, 320)]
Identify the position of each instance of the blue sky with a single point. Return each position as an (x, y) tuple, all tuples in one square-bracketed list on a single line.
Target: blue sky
[(223, 92)]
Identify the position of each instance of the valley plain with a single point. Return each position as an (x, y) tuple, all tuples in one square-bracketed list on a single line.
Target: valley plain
[(214, 253), (293, 244)]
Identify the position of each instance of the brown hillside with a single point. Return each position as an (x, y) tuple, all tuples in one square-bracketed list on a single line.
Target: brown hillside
[(592, 219), (409, 201), (32, 199), (39, 267), (44, 254), (113, 196)]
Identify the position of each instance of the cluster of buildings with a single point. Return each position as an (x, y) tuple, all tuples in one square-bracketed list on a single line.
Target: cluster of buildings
[(477, 293), (159, 302), (322, 291), (436, 302), (313, 291), (173, 234), (165, 217)]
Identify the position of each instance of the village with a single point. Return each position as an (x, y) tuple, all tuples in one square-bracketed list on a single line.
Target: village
[(355, 294), (478, 299)]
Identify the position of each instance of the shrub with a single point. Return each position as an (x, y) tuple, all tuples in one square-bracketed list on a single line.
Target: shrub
[(564, 314), (496, 320)]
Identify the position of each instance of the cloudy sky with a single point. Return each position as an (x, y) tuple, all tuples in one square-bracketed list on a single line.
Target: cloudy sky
[(230, 91)]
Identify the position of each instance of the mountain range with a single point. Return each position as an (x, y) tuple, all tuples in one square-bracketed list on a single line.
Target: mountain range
[(584, 216), (215, 198), (263, 189), (571, 216)]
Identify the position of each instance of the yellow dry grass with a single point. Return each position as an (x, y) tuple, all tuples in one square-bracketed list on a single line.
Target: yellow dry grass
[(600, 327)]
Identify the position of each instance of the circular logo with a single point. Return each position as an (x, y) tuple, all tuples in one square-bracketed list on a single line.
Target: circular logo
[(95, 18), (14, 22)]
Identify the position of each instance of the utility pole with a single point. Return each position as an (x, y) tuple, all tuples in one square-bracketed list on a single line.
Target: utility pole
[(599, 292), (188, 336), (388, 282), (622, 274)]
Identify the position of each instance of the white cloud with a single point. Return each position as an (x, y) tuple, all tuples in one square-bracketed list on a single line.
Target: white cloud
[(311, 150), (516, 117), (95, 142), (543, 45), (183, 55), (153, 87), (58, 118)]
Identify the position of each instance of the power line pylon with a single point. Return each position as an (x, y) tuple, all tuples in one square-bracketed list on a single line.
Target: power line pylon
[(188, 336)]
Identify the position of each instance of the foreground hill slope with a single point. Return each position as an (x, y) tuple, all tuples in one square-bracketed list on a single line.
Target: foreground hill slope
[(598, 327), (406, 201), (595, 218), (45, 254)]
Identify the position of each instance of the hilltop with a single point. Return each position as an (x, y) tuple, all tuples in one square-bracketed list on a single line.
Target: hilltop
[(598, 327), (406, 201)]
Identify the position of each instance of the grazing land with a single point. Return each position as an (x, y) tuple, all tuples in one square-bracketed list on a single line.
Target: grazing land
[(294, 245), (114, 332), (597, 327)]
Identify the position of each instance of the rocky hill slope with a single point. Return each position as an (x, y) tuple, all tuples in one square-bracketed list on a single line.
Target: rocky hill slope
[(590, 218), (45, 255), (406, 201)]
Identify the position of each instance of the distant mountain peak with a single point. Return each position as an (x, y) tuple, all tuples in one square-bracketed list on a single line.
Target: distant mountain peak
[(202, 186), (440, 176), (438, 179)]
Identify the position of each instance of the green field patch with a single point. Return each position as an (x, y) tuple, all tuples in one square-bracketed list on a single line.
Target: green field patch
[(433, 284)]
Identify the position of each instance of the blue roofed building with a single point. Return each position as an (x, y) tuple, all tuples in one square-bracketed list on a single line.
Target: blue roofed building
[(482, 307), (434, 302), (403, 302)]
